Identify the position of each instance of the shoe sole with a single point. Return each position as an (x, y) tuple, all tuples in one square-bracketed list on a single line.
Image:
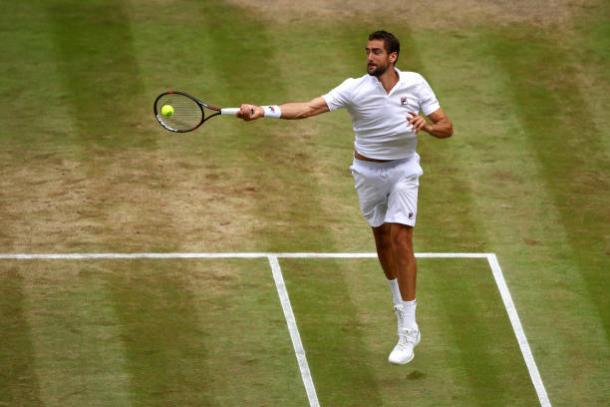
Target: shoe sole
[(402, 363)]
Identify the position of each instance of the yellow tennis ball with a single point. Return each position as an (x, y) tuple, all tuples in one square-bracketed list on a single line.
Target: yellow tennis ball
[(167, 110)]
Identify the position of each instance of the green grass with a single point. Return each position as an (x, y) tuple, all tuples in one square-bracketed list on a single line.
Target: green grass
[(86, 168)]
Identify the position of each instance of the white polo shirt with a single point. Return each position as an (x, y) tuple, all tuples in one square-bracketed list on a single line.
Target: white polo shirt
[(379, 118)]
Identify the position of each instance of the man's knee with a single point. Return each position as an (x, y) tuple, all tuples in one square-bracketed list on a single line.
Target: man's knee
[(402, 238)]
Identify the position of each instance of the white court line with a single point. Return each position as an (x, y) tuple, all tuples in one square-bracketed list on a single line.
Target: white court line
[(128, 256), (253, 255), (299, 351), (518, 329), (294, 334), (306, 255)]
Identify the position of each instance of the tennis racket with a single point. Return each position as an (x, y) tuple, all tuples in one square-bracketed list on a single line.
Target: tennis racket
[(180, 112)]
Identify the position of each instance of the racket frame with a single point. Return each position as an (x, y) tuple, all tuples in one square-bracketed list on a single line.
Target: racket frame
[(202, 105)]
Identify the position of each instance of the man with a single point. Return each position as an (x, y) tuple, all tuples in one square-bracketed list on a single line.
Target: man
[(384, 105)]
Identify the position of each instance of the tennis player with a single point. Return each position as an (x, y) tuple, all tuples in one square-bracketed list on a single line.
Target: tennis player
[(386, 106)]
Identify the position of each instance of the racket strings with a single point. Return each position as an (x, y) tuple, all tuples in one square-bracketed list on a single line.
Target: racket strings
[(185, 114)]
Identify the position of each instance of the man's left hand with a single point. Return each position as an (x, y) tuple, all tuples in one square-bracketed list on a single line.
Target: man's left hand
[(418, 122)]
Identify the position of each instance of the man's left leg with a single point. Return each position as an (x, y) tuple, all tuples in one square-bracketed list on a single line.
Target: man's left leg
[(406, 272)]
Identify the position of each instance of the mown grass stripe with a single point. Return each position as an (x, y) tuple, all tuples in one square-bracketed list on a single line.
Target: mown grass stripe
[(551, 109), (249, 355), (79, 356), (469, 335), (19, 384), (163, 339), (30, 80), (94, 46), (588, 40)]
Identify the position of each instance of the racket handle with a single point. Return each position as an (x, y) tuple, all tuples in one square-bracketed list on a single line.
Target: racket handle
[(230, 110)]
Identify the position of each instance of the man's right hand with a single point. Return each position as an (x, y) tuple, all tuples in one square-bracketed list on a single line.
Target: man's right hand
[(250, 112)]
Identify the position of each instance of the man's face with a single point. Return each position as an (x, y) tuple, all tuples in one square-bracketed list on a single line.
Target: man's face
[(378, 59)]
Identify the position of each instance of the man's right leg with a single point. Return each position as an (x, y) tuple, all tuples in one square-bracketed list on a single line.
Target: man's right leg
[(385, 254), (390, 255)]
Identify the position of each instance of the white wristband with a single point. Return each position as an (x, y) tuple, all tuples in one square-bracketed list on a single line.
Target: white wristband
[(272, 112)]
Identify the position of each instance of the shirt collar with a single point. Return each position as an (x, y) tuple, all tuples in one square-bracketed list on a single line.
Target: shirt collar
[(398, 84), (399, 73)]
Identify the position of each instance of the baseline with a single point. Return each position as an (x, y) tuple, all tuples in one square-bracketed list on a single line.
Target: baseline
[(228, 255)]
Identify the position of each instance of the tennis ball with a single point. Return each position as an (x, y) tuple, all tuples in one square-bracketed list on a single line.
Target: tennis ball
[(167, 110)]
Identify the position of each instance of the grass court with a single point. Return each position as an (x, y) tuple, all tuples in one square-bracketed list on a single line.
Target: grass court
[(86, 169)]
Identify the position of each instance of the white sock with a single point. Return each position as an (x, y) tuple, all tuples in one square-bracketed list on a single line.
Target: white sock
[(409, 314), (396, 298)]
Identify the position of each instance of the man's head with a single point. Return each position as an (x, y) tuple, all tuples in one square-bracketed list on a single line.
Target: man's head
[(382, 52)]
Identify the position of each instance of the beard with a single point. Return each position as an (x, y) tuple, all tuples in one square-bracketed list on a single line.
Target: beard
[(376, 70)]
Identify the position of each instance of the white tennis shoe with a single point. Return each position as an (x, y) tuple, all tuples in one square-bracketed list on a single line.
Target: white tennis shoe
[(403, 351), (408, 338)]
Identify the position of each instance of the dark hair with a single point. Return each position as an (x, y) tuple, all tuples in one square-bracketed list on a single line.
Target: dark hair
[(390, 42)]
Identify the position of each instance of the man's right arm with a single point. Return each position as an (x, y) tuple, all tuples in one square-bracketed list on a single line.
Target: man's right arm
[(290, 111)]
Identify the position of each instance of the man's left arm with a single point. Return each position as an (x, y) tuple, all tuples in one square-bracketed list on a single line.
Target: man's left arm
[(440, 125)]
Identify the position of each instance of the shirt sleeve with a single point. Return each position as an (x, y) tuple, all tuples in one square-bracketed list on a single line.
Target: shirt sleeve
[(428, 103), (339, 97)]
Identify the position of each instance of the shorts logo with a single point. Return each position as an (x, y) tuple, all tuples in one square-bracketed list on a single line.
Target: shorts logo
[(410, 215), (403, 101), (272, 109)]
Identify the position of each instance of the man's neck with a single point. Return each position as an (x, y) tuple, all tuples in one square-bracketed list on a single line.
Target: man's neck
[(388, 79)]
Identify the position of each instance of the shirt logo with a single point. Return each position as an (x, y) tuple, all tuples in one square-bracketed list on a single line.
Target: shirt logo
[(403, 101)]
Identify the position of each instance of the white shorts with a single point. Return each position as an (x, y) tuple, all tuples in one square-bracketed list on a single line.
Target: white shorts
[(388, 191)]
